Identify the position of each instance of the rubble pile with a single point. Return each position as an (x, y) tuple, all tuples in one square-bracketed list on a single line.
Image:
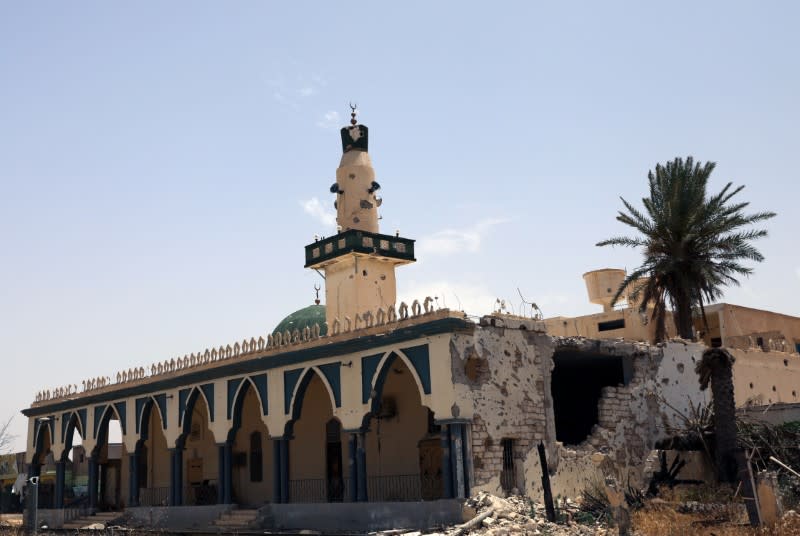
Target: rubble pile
[(488, 515)]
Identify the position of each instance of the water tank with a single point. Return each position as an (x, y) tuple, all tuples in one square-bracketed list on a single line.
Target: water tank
[(603, 284)]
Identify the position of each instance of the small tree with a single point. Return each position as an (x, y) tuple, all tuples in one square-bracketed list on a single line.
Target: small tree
[(692, 243), (6, 438)]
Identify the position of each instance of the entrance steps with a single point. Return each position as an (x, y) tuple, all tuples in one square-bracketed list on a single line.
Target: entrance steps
[(237, 519), (106, 518)]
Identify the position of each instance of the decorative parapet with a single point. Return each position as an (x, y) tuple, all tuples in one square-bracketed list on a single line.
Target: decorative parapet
[(358, 241), (387, 318)]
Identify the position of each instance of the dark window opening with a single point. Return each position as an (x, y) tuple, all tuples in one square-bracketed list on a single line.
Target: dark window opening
[(611, 324), (578, 378), (716, 342), (433, 428), (256, 458), (508, 478), (760, 342)]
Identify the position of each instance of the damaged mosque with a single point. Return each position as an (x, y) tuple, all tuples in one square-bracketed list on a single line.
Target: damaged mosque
[(363, 410)]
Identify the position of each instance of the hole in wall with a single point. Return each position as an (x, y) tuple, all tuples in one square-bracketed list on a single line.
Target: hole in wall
[(577, 380)]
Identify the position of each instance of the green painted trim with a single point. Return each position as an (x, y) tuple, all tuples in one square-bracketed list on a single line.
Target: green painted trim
[(261, 364), (357, 241), (260, 382), (420, 360), (369, 366), (290, 379), (332, 373), (233, 388)]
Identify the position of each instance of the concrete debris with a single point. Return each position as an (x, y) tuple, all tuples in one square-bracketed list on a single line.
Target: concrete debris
[(94, 526), (498, 516)]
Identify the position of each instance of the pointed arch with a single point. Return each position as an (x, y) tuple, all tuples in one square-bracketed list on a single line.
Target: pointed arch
[(144, 412), (42, 428), (101, 423), (237, 405), (73, 423), (379, 377), (188, 413), (190, 394), (295, 405)]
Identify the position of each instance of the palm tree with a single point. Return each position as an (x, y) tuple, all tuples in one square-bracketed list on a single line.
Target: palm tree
[(6, 439), (716, 366), (693, 243)]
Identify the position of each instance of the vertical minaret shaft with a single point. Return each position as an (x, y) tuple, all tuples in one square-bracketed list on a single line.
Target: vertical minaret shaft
[(356, 203)]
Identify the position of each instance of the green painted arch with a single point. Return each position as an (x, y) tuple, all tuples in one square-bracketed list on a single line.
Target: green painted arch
[(305, 317)]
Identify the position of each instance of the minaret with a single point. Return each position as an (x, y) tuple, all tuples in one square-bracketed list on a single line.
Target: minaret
[(358, 262)]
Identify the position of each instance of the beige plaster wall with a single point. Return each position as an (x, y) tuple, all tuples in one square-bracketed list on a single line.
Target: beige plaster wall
[(157, 454), (356, 284), (738, 325), (636, 329), (502, 376), (762, 378)]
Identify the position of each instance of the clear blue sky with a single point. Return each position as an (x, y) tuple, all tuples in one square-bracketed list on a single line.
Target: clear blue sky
[(163, 163)]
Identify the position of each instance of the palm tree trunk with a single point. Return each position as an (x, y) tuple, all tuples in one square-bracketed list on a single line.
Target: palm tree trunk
[(683, 306), (724, 419)]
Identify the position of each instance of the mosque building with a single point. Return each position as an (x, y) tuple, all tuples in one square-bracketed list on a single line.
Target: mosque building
[(364, 400)]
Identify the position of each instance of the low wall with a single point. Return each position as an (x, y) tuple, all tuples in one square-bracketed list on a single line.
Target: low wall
[(773, 414), (174, 517), (51, 517), (368, 516)]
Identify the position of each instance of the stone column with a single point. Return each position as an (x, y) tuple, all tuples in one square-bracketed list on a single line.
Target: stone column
[(361, 467), (457, 459), (447, 468), (221, 473), (352, 464), (284, 470), (276, 471), (469, 471), (176, 477), (227, 459), (58, 496), (133, 479), (172, 485), (94, 476)]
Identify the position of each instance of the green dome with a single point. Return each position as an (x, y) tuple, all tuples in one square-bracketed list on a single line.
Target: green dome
[(307, 316)]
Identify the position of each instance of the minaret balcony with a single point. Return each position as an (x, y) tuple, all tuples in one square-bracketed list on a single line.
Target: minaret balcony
[(390, 248)]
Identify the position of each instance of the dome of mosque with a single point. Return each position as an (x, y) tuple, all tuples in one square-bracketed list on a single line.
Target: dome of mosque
[(307, 316)]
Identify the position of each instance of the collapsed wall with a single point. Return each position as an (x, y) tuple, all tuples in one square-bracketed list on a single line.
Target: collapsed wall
[(597, 406)]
